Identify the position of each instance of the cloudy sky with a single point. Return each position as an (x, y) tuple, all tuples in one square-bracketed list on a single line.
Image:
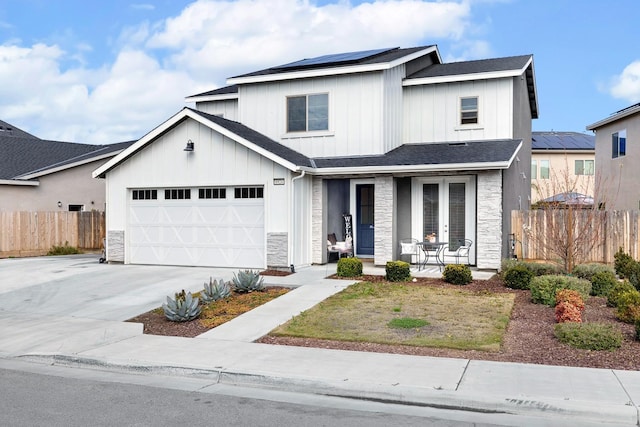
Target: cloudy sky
[(96, 71)]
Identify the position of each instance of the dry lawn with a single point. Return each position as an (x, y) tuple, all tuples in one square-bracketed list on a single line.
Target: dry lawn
[(455, 318)]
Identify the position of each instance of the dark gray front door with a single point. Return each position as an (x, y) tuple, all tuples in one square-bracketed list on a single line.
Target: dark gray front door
[(364, 219)]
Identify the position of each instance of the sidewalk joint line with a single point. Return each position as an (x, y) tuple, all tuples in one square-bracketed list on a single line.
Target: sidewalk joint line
[(464, 371), (629, 396)]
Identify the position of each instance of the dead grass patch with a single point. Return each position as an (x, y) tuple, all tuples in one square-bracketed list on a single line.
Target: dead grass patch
[(362, 312)]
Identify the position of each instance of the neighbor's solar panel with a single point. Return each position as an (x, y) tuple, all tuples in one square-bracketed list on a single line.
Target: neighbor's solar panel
[(334, 58), (562, 141)]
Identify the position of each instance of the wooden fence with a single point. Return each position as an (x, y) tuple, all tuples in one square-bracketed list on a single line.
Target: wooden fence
[(612, 230), (35, 233)]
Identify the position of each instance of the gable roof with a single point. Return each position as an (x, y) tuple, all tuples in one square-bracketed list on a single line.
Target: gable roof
[(7, 129), (562, 141), (238, 132), (511, 66), (618, 115), (25, 158), (226, 92), (374, 60)]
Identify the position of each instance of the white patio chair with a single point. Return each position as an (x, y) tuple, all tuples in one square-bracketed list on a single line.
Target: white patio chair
[(410, 247)]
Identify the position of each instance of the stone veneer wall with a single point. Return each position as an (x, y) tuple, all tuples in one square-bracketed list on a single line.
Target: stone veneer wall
[(277, 249), (318, 238), (383, 214), (115, 246), (489, 228)]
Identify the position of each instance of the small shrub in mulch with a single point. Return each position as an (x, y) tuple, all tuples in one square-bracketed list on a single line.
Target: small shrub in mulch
[(589, 336)]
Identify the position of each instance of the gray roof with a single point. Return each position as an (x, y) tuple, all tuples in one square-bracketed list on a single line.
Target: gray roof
[(220, 91), (7, 129), (491, 151), (380, 58), (258, 139), (473, 67), (562, 141), (23, 156)]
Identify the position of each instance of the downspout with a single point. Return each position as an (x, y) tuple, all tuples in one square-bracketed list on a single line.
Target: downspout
[(293, 219)]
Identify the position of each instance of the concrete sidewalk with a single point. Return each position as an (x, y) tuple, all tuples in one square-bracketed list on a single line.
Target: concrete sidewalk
[(227, 355)]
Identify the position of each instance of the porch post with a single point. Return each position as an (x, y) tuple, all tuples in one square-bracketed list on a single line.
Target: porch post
[(318, 221), (383, 219)]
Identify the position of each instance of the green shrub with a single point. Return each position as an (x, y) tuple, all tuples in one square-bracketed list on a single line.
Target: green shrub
[(518, 277), (397, 271), (589, 336), (507, 264), (349, 267), (543, 269), (618, 289), (622, 263), (458, 274), (602, 282), (587, 271), (63, 250), (628, 306), (544, 288)]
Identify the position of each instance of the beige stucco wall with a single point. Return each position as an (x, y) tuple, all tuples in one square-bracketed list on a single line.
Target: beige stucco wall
[(619, 177), (73, 186), (562, 177)]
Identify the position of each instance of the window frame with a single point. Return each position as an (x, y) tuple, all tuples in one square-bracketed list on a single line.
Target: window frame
[(587, 167), (474, 119), (534, 169), (311, 120), (619, 144), (542, 168)]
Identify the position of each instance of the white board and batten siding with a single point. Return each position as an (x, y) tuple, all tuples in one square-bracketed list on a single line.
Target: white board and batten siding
[(226, 232), (356, 113), (432, 112)]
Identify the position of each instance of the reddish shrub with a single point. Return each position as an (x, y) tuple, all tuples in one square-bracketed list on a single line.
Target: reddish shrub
[(570, 296), (567, 312)]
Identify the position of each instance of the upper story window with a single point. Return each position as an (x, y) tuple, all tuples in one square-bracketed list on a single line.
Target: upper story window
[(540, 169), (619, 144), (534, 169), (469, 110), (584, 167), (308, 113)]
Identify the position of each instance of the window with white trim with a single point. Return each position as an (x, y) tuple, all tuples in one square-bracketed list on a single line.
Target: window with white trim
[(307, 113), (534, 169), (469, 110), (144, 194), (584, 167), (619, 144)]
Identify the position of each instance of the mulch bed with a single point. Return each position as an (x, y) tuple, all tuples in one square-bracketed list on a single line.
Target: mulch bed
[(529, 337)]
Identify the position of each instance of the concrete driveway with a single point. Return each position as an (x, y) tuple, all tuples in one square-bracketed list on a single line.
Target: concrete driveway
[(79, 286)]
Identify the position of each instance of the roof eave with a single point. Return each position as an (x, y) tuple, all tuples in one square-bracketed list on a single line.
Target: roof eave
[(409, 168), (614, 118), (19, 182), (452, 78), (48, 171), (205, 98)]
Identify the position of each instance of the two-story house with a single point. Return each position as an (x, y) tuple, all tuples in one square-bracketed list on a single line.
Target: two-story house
[(264, 169), (616, 160), (562, 164)]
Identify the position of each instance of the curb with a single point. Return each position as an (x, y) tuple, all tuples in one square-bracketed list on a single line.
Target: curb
[(383, 393)]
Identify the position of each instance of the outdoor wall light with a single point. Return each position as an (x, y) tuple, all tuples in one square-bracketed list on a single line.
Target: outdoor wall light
[(190, 146), (59, 204)]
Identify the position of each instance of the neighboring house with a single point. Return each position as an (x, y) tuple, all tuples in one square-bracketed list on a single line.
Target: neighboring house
[(263, 170), (617, 160), (41, 175), (561, 163)]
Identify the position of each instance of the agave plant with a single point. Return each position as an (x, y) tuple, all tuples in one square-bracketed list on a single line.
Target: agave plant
[(182, 308), (215, 290), (248, 281)]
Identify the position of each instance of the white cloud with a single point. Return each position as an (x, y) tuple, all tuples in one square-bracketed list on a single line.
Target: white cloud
[(157, 64), (627, 84)]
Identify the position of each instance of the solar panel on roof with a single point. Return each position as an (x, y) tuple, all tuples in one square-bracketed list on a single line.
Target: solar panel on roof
[(334, 58)]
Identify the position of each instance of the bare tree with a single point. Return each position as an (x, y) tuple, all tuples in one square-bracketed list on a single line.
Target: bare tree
[(563, 226)]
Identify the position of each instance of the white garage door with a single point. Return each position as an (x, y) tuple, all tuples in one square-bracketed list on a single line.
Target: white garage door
[(217, 227)]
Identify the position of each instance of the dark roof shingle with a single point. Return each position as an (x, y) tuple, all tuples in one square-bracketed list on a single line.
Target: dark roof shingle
[(473, 67)]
